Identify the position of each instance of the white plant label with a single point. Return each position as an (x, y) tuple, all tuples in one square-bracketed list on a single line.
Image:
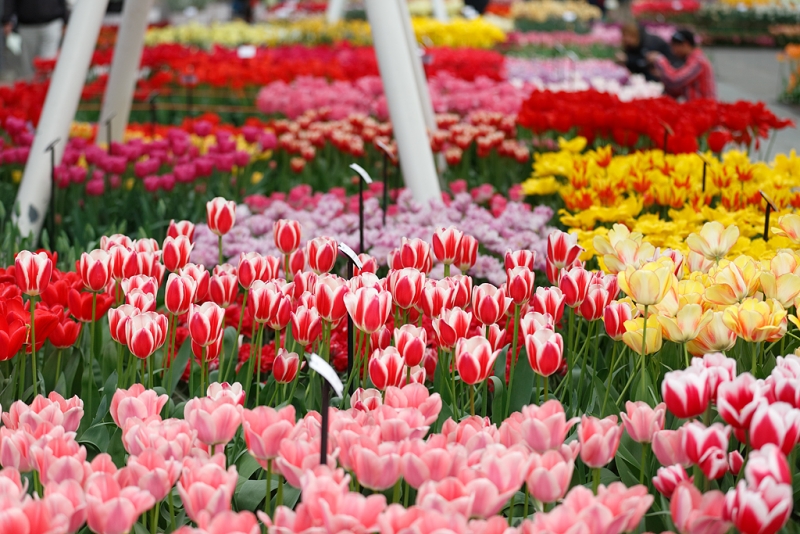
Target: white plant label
[(360, 170), (350, 253), (326, 371)]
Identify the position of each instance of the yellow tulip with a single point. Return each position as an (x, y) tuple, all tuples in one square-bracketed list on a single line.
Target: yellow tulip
[(733, 281), (575, 146), (698, 263), (540, 186), (622, 249), (713, 337), (687, 324), (789, 226), (714, 240), (785, 288), (634, 332), (649, 284), (690, 291), (756, 321)]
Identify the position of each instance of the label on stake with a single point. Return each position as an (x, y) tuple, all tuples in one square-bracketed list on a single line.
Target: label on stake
[(351, 254), (360, 170), (325, 370)]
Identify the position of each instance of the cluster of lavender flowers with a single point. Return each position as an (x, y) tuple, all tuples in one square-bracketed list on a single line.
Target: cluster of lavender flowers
[(601, 34), (504, 225)]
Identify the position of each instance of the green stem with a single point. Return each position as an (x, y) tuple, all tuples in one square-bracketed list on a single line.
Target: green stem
[(171, 511), (525, 506), (231, 358), (610, 377), (643, 382), (33, 347), (258, 369), (396, 492), (37, 484), (267, 494), (150, 365), (471, 399), (272, 397), (546, 395), (170, 349), (754, 366), (645, 446), (356, 362), (286, 267), (279, 495), (93, 356), (686, 355), (513, 358), (583, 356), (446, 270), (154, 525), (484, 397), (511, 511), (23, 364), (220, 250), (595, 479), (120, 364)]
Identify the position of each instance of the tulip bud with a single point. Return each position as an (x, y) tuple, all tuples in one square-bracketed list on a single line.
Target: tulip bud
[(668, 478), (179, 293), (615, 315), (386, 368), (446, 242), (414, 254), (475, 359), (520, 258), (467, 253), (321, 253), (548, 300), (489, 304), (144, 302), (599, 439), (767, 462), (777, 424), (642, 422), (519, 284), (406, 287), (460, 290), (122, 262), (33, 272), (93, 267), (545, 351), (368, 265), (117, 322), (297, 261), (223, 289), (286, 233), (451, 326), (285, 366), (306, 325), (253, 266), (221, 215), (411, 342), (574, 284), (562, 252), (201, 278), (206, 323), (176, 252), (146, 332), (369, 308), (550, 474), (594, 304), (436, 296), (686, 392), (210, 352), (234, 392), (181, 228)]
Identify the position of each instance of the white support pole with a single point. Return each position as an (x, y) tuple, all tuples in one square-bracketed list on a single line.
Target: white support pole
[(420, 79), (124, 68), (402, 95), (439, 10), (60, 106), (335, 10)]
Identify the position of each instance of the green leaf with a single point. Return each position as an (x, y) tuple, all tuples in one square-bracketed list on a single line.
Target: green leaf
[(250, 493), (497, 400), (440, 383), (290, 495), (523, 383), (179, 365), (246, 465), (97, 437), (138, 528), (228, 341)]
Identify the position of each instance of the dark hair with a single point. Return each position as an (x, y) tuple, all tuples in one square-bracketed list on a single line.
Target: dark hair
[(683, 36)]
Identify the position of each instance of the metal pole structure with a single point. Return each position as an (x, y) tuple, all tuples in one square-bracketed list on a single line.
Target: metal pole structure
[(58, 112), (416, 61), (405, 107), (439, 10), (124, 68), (335, 10)]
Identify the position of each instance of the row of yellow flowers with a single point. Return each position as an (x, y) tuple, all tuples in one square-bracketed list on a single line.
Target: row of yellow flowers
[(661, 196), (544, 10), (458, 32)]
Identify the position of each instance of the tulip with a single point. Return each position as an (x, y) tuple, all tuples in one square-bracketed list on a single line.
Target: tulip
[(321, 253), (374, 470), (118, 321), (286, 233), (369, 308), (112, 509), (550, 474), (149, 264), (181, 228), (599, 439), (144, 283), (368, 265), (179, 293), (108, 242), (122, 262), (668, 447), (144, 302), (702, 443), (519, 258), (451, 326), (519, 284), (474, 359), (714, 240), (215, 420), (641, 421), (693, 511), (756, 321), (545, 427), (545, 351), (436, 296), (285, 366), (778, 424), (411, 342), (783, 384), (386, 368), (788, 226), (593, 306), (446, 242), (648, 285), (761, 510), (94, 270), (686, 393), (153, 473), (783, 288), (146, 333), (405, 285), (136, 402), (223, 288), (205, 323), (467, 253), (63, 336), (735, 462), (714, 337), (548, 300), (33, 272), (221, 216), (413, 253), (201, 278), (574, 284), (767, 462), (306, 325), (329, 292), (254, 266), (489, 304), (206, 488), (460, 290), (366, 399), (264, 429), (635, 332), (687, 324), (176, 252), (738, 400), (562, 251), (615, 315), (432, 463), (668, 478)]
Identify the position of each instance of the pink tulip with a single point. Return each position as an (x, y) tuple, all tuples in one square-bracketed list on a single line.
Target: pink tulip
[(545, 427), (641, 421), (151, 472), (693, 511), (33, 272), (767, 462), (777, 423), (136, 402), (233, 392), (227, 523), (206, 488), (687, 392), (264, 429), (15, 449), (433, 463), (215, 420), (668, 478), (69, 500), (297, 457), (668, 447), (112, 509), (172, 438), (45, 412), (221, 215), (550, 474), (367, 400), (375, 469), (599, 440)]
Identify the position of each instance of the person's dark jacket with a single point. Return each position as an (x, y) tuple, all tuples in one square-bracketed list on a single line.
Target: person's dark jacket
[(637, 57), (31, 12)]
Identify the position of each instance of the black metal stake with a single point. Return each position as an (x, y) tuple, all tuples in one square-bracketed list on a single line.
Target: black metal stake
[(351, 272), (704, 175), (666, 135), (108, 132), (323, 450), (766, 222), (189, 103), (153, 116), (360, 215), (385, 185), (51, 219)]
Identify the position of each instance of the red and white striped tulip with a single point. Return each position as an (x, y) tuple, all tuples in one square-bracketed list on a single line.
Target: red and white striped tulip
[(118, 320), (574, 284), (446, 242), (206, 323), (286, 233), (562, 251), (253, 266), (181, 228), (386, 368), (475, 359), (179, 293), (406, 287), (306, 325), (411, 342), (519, 258), (668, 478), (467, 253), (176, 252), (223, 288), (146, 332), (94, 270), (329, 292), (321, 254), (369, 308), (33, 272), (545, 351), (615, 315), (285, 366), (686, 392), (519, 284), (451, 326), (489, 304), (220, 215), (777, 423), (201, 277), (548, 300)]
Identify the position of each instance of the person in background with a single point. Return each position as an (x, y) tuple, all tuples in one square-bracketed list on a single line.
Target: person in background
[(40, 24), (636, 44), (695, 78)]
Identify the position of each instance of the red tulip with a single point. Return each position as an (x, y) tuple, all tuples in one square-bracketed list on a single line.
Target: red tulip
[(94, 270), (63, 336), (206, 323), (146, 332), (475, 359), (181, 228), (519, 284), (411, 341), (406, 286), (297, 261), (548, 300), (446, 242), (287, 235), (614, 317), (33, 272), (520, 258), (574, 284), (593, 306), (668, 478), (686, 393), (223, 288), (545, 351), (718, 139), (562, 251), (767, 462), (118, 322), (13, 333), (253, 266), (369, 308), (201, 278), (306, 325), (80, 305), (329, 292), (599, 439), (176, 252), (489, 304), (386, 368), (321, 253), (179, 293), (451, 326), (467, 253), (285, 366), (221, 215)]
